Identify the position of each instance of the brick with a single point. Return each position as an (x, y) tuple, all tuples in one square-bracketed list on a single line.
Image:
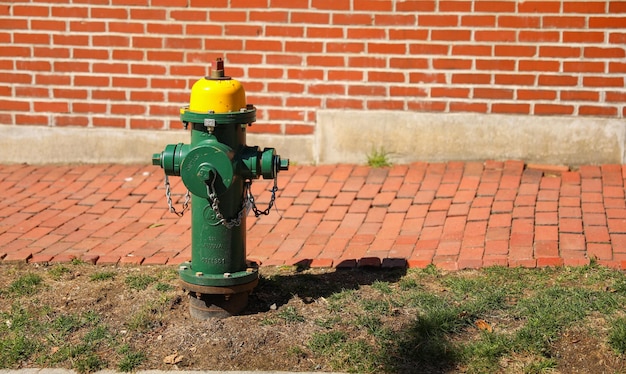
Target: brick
[(321, 263), (21, 256)]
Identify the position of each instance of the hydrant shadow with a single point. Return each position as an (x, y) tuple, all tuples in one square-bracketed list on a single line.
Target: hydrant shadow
[(276, 289)]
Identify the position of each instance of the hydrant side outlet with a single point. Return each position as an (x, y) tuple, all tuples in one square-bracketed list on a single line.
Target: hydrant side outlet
[(217, 167)]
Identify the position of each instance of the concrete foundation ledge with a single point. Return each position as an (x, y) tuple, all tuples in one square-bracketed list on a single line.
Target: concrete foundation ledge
[(349, 136), (51, 145)]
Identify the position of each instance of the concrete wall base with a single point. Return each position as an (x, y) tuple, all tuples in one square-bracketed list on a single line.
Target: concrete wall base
[(349, 137), (49, 145)]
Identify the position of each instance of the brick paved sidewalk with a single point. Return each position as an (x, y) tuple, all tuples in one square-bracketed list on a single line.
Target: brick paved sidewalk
[(455, 215)]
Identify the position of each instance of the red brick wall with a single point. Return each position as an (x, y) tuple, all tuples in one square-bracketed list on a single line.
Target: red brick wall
[(131, 63)]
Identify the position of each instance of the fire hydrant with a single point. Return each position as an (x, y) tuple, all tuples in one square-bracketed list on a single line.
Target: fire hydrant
[(217, 167)]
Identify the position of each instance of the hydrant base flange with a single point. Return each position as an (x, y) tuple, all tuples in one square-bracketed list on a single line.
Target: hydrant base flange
[(197, 279), (206, 302)]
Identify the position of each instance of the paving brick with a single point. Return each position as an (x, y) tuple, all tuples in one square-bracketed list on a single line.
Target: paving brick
[(441, 204), (369, 262), (502, 207), (496, 247), (131, 260), (360, 206), (479, 214), (392, 184), (435, 218), (377, 175), (368, 191), (63, 258), (446, 190), (572, 242), (331, 189), (89, 258), (108, 260), (424, 197), (500, 220), (40, 258), (543, 262), (384, 199), (376, 214), (21, 256), (394, 263), (417, 211), (353, 184), (156, 260), (321, 263), (600, 251), (315, 183), (320, 205), (569, 202), (448, 263), (546, 218)]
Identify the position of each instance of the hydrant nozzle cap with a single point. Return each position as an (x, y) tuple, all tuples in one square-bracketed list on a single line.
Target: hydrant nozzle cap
[(156, 159), (284, 164)]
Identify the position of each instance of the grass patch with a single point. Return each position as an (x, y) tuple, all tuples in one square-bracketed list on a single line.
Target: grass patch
[(139, 281), (469, 319), (377, 158), (26, 285), (58, 271), (102, 276), (130, 360), (617, 335)]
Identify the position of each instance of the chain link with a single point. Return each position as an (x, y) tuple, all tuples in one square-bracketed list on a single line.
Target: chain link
[(257, 211), (168, 195), (215, 205)]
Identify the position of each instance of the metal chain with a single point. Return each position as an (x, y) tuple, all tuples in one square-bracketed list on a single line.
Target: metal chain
[(257, 211), (168, 195), (248, 203), (215, 205)]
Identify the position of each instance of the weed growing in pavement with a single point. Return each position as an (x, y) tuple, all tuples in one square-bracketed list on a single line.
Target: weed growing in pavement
[(377, 158)]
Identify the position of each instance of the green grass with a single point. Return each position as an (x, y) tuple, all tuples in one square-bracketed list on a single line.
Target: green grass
[(102, 276), (139, 281), (617, 335), (527, 311), (130, 360), (377, 158), (27, 284), (34, 333), (58, 271)]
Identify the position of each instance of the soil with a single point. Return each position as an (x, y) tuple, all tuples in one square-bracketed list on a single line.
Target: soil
[(263, 337)]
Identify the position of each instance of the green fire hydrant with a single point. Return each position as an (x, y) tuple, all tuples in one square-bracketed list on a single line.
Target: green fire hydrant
[(217, 168)]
